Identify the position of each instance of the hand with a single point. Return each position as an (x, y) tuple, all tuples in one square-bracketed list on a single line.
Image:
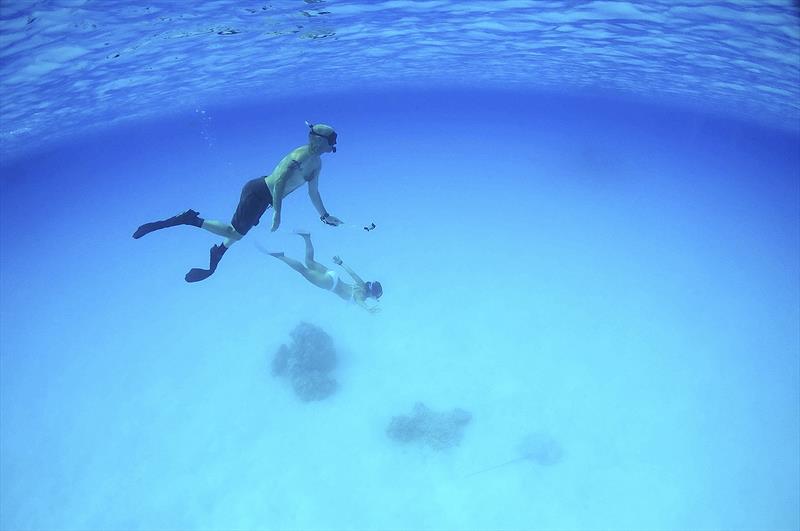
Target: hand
[(332, 220), (276, 221), (337, 260), (374, 309)]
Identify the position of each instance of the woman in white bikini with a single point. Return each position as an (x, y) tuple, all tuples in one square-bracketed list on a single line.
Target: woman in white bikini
[(327, 279)]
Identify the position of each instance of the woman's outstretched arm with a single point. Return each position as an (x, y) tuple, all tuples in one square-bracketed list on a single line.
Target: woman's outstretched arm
[(370, 309), (338, 261)]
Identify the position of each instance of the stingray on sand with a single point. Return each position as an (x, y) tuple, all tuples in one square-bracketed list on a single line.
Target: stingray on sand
[(537, 447)]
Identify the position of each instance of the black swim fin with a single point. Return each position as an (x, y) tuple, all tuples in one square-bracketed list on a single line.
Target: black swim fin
[(196, 274), (190, 217)]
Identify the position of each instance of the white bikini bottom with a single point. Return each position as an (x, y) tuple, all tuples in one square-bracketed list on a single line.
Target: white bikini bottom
[(335, 277)]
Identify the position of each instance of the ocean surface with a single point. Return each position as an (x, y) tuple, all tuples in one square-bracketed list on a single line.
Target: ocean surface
[(586, 225)]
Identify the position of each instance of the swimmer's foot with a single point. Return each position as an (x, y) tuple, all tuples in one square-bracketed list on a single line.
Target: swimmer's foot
[(276, 254), (302, 232), (190, 217), (196, 274)]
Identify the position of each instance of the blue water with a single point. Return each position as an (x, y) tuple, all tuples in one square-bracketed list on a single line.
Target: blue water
[(598, 245)]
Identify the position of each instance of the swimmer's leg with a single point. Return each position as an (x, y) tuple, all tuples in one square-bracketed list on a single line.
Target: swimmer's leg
[(222, 229), (310, 262), (316, 278), (191, 217)]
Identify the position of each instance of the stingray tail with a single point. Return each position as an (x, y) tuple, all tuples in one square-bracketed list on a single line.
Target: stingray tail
[(494, 467)]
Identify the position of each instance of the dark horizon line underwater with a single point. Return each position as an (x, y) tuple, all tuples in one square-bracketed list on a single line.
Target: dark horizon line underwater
[(386, 99), (453, 103)]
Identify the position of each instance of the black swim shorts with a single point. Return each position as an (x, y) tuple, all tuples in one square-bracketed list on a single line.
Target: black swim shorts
[(255, 200)]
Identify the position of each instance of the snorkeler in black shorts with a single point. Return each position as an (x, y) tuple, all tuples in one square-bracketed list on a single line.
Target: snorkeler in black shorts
[(255, 200), (301, 166)]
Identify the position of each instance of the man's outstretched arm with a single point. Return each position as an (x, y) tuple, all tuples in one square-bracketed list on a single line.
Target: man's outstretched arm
[(316, 200), (277, 203)]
